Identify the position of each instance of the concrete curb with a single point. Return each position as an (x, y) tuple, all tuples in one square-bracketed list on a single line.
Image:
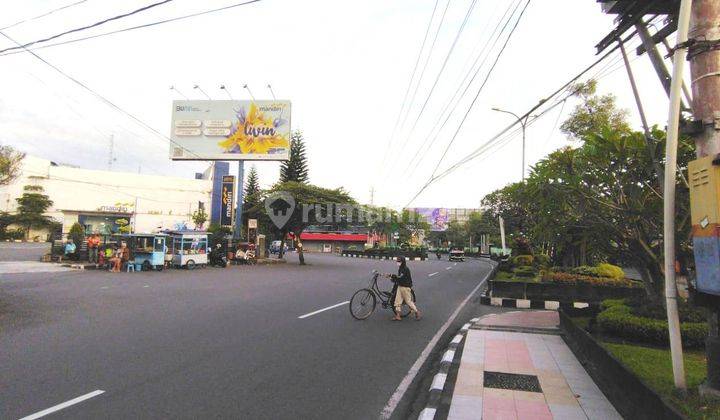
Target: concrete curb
[(449, 366), (526, 303)]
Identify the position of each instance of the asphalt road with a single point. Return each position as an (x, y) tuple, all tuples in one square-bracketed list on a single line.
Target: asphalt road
[(216, 343), (23, 251)]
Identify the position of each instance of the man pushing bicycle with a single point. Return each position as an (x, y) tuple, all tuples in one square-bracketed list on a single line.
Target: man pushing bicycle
[(404, 293)]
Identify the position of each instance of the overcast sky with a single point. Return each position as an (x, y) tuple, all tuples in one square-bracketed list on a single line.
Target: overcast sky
[(345, 65)]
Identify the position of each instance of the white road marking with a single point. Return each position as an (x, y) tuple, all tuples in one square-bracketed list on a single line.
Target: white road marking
[(454, 263), (104, 287), (448, 268), (432, 274), (448, 356), (465, 327), (458, 338), (63, 405), (147, 285), (439, 381), (407, 380), (427, 414), (323, 309)]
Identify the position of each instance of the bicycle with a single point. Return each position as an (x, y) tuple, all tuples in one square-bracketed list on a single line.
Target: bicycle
[(364, 301)]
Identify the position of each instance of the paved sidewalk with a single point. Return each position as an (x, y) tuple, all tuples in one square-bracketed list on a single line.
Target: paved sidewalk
[(15, 267), (506, 374)]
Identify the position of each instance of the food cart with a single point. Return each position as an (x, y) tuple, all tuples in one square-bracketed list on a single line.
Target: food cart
[(188, 248), (147, 249)]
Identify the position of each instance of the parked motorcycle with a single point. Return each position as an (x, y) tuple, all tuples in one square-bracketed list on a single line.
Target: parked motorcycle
[(217, 257)]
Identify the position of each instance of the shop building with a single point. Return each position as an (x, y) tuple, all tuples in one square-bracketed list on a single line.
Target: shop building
[(103, 201)]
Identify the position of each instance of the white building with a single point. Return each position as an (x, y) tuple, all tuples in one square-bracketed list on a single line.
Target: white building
[(99, 199)]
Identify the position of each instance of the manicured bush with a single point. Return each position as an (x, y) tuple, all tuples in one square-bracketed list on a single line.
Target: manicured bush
[(524, 271), (572, 279), (522, 260), (585, 270), (609, 270), (505, 266), (542, 260), (617, 319)]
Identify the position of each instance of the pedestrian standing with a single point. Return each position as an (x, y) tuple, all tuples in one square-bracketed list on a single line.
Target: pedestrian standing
[(93, 244), (404, 293)]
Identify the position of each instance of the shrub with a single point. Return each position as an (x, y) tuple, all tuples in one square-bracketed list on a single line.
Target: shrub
[(13, 234), (542, 260), (572, 279), (617, 319), (522, 260), (609, 270), (521, 246), (77, 234), (585, 270), (524, 271), (504, 266)]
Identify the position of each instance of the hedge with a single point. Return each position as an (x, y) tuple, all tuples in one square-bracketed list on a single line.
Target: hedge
[(524, 271), (569, 278), (523, 260), (617, 319)]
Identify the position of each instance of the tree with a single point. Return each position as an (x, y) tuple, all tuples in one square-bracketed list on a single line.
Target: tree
[(9, 164), (124, 226), (482, 223), (77, 234), (31, 209), (296, 168), (199, 217), (251, 196), (456, 234), (411, 224), (308, 200), (594, 112)]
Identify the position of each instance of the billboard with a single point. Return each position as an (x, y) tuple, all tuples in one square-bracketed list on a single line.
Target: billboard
[(230, 130), (436, 217), (228, 190)]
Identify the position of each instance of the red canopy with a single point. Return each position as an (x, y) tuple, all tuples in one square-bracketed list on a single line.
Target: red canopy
[(345, 237)]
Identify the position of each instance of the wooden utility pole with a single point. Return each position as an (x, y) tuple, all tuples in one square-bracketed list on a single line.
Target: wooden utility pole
[(704, 56)]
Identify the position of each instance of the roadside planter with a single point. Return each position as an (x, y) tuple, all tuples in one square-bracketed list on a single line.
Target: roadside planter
[(561, 292)]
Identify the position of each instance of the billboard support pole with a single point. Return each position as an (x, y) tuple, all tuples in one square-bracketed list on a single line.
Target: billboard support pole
[(237, 231)]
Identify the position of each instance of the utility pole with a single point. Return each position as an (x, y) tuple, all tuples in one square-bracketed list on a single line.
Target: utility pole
[(705, 75), (502, 233)]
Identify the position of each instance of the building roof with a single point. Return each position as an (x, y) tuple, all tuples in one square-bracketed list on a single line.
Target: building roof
[(340, 237)]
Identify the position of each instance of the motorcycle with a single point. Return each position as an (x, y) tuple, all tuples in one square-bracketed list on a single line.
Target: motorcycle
[(217, 257)]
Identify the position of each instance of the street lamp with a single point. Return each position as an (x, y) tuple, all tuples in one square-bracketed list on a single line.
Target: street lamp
[(223, 87), (523, 123), (203, 92)]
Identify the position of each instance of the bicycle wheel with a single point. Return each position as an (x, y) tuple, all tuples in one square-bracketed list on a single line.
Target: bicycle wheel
[(362, 304)]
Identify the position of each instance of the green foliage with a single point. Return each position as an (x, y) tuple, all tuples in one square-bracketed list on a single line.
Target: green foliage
[(296, 168), (585, 270), (594, 112), (609, 270), (77, 233), (31, 209), (9, 164), (521, 246), (524, 271), (523, 260), (252, 196), (654, 367), (542, 260), (617, 319), (573, 279), (199, 217)]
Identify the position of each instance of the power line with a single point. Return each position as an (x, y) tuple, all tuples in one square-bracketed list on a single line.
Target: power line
[(422, 72), (30, 19), (83, 28), (477, 95), (98, 95), (494, 35), (442, 69), (474, 153), (132, 28), (410, 83)]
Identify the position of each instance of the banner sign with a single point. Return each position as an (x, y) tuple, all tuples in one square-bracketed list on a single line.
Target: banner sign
[(230, 130), (228, 190), (436, 217)]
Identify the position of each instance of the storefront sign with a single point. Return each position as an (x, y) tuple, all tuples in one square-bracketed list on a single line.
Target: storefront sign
[(228, 190), (113, 209)]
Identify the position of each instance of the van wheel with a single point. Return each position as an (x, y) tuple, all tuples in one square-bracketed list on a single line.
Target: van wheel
[(146, 266), (190, 265)]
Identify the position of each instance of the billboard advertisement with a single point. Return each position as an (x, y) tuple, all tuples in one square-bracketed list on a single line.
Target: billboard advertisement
[(230, 130), (228, 190), (436, 217)]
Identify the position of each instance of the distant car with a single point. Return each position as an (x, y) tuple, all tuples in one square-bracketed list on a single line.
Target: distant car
[(457, 255)]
